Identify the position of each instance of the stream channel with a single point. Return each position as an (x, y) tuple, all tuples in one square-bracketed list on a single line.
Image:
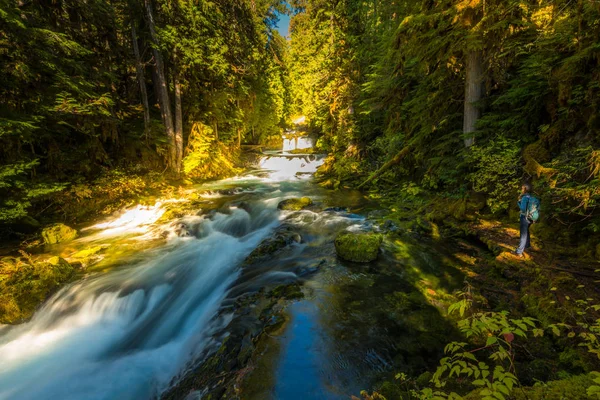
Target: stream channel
[(156, 303)]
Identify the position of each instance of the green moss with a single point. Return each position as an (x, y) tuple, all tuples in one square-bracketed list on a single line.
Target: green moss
[(58, 233), (86, 256), (295, 204), (284, 237), (290, 292), (358, 247), (571, 388), (25, 284)]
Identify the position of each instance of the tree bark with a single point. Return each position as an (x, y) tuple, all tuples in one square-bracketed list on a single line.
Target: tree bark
[(163, 91), (178, 122), (473, 94), (142, 82)]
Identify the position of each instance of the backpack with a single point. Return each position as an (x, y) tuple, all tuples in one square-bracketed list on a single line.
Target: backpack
[(533, 209)]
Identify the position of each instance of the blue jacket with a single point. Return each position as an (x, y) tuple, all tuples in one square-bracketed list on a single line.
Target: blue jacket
[(523, 203)]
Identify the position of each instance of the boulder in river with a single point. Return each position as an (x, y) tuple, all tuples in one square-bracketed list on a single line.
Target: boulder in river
[(358, 247), (283, 237), (58, 233), (295, 204)]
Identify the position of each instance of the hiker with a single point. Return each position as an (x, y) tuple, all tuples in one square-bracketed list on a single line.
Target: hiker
[(529, 206)]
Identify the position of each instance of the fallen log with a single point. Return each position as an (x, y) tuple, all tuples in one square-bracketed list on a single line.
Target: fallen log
[(397, 158)]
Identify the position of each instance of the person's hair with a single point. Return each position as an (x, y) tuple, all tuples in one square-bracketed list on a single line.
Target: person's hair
[(528, 187)]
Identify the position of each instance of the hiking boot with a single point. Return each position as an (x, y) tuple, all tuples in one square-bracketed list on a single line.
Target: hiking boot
[(514, 253)]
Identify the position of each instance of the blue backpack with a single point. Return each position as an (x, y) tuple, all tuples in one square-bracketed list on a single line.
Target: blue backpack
[(533, 209)]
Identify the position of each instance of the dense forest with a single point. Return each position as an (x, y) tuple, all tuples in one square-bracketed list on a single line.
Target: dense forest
[(462, 97), (91, 88), (437, 111)]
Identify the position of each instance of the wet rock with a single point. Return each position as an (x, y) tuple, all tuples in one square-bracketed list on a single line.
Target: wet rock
[(58, 233), (244, 206), (358, 247), (295, 204), (86, 257), (228, 192), (256, 316), (283, 237), (289, 291), (182, 230), (389, 226), (337, 209), (309, 270)]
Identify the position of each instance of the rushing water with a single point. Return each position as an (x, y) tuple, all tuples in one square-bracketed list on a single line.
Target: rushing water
[(150, 313), (128, 332)]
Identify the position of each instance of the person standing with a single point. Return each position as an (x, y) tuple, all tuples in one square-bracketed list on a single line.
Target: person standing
[(524, 203)]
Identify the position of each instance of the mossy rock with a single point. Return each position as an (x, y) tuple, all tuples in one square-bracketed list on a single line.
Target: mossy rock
[(28, 284), (282, 238), (290, 292), (87, 256), (295, 204), (573, 387), (358, 247), (58, 233)]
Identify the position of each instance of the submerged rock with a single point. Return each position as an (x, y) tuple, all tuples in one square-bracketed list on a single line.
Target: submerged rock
[(58, 233), (358, 247), (295, 204), (283, 237), (337, 209)]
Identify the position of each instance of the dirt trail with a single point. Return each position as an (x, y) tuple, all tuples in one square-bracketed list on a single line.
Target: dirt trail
[(506, 278)]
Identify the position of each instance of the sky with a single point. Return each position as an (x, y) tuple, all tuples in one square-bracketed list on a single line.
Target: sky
[(283, 25)]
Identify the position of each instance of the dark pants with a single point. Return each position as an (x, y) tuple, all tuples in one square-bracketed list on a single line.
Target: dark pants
[(525, 239)]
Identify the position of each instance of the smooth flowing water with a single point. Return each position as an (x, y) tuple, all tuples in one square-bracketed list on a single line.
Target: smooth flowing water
[(128, 332), (149, 313)]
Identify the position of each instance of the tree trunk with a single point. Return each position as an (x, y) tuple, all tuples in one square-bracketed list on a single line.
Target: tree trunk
[(178, 122), (163, 91), (142, 81), (473, 94)]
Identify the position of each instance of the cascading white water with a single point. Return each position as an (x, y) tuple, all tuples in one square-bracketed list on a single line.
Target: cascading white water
[(128, 333)]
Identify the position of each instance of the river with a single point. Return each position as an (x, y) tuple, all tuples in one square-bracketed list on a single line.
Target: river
[(150, 310)]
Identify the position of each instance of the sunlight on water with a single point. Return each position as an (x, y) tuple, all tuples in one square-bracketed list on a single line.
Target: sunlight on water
[(284, 168), (136, 220)]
